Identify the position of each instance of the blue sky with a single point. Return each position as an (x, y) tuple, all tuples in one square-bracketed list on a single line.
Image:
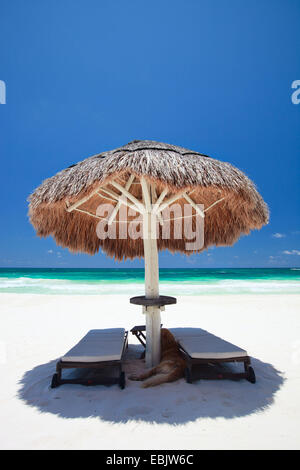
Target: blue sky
[(87, 76)]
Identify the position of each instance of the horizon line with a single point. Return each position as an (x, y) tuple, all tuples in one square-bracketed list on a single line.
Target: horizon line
[(142, 268)]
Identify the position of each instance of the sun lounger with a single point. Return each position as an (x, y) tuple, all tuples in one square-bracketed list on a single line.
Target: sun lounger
[(203, 348), (98, 349)]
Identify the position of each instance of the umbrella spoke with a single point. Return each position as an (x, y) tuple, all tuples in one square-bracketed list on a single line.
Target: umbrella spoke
[(170, 201), (117, 207), (154, 200), (190, 201), (81, 201), (119, 198), (129, 195), (105, 197), (159, 200), (146, 194), (89, 213)]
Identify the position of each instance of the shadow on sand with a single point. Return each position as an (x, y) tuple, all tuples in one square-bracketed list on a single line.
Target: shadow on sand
[(173, 403)]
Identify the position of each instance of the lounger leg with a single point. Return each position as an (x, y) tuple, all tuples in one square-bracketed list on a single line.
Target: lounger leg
[(188, 374), (247, 363), (250, 375), (122, 379), (56, 379), (141, 338), (58, 371)]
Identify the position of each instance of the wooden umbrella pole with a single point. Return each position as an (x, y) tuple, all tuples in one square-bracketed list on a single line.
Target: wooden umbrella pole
[(153, 319)]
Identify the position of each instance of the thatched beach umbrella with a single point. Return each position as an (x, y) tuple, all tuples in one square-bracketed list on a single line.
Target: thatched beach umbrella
[(82, 207)]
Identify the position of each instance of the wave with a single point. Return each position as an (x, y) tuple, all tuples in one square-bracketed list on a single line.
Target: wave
[(186, 287)]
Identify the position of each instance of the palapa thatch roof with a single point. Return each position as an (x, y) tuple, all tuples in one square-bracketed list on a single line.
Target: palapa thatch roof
[(169, 167)]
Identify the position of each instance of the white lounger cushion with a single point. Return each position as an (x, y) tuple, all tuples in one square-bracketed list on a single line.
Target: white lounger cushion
[(107, 332), (181, 333), (200, 344), (98, 346)]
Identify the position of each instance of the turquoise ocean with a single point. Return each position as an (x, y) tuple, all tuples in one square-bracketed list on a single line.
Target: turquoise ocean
[(131, 281)]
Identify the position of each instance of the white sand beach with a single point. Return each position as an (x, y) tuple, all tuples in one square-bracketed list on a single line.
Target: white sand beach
[(37, 329)]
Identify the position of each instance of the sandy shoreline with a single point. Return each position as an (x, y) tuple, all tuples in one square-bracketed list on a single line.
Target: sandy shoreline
[(37, 329)]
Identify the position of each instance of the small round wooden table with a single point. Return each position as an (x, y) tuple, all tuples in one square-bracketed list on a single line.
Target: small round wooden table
[(161, 301)]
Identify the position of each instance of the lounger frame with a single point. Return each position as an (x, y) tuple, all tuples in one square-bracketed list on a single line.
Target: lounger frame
[(190, 376), (120, 379), (248, 373)]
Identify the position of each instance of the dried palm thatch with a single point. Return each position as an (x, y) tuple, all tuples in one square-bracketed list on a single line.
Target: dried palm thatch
[(173, 170)]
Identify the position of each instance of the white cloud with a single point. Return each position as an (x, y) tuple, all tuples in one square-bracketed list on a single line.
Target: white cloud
[(292, 252), (278, 235), (51, 252)]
